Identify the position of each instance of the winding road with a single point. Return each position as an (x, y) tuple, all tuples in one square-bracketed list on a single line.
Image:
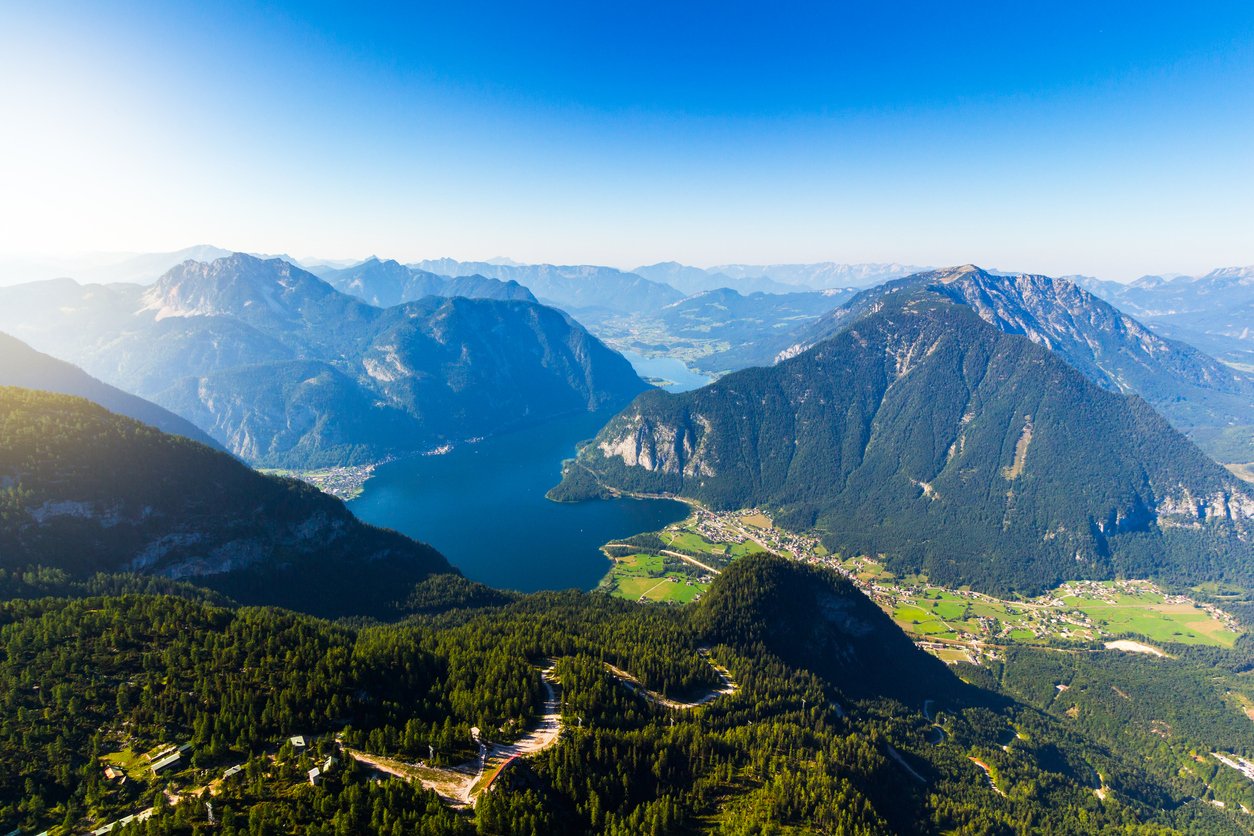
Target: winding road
[(460, 786)]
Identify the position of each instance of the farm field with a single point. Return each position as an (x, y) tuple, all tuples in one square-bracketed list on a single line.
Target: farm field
[(646, 577), (1079, 613), (1147, 612), (690, 541)]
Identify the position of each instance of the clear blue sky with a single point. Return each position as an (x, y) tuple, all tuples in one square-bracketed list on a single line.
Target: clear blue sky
[(1104, 138)]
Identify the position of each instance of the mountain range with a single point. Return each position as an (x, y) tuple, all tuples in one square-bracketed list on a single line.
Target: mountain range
[(694, 280), (387, 283), (1208, 400), (286, 371), (820, 275), (1214, 312), (586, 291), (924, 433)]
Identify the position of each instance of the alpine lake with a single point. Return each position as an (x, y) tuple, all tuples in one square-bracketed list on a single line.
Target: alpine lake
[(483, 505)]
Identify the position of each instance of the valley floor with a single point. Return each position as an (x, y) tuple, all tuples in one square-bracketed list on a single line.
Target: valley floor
[(677, 564)]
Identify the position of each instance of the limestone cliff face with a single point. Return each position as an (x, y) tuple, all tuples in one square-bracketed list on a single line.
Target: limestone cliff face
[(1184, 509), (676, 450)]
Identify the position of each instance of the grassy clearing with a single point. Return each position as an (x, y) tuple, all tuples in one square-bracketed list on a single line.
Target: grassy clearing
[(1221, 591), (1128, 608), (758, 521), (645, 577), (690, 542), (1180, 623), (133, 763), (1242, 471)]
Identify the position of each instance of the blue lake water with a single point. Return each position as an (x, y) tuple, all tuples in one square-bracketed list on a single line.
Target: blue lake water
[(483, 506), (667, 368)]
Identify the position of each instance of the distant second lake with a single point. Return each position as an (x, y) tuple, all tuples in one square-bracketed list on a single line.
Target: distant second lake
[(679, 377), (483, 506)]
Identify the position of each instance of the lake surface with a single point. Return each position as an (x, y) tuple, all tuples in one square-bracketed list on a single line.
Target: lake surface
[(667, 368), (483, 506)]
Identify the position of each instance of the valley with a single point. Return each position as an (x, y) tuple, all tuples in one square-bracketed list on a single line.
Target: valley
[(677, 564), (626, 419)]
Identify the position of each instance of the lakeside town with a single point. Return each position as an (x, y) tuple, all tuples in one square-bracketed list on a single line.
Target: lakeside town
[(345, 483)]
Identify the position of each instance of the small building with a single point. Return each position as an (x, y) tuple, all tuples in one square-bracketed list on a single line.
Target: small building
[(297, 740), (162, 752), (112, 774), (315, 775), (168, 760), (234, 770), (327, 764)]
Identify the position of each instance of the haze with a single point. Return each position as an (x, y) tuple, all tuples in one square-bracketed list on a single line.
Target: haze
[(1058, 138)]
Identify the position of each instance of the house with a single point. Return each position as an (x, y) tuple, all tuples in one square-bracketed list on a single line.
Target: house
[(327, 764), (315, 775), (112, 774), (297, 740), (234, 770)]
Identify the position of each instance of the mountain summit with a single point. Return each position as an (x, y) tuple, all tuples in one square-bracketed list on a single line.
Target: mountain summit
[(1208, 400)]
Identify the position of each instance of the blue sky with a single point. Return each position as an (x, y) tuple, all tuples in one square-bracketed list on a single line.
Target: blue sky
[(1111, 139)]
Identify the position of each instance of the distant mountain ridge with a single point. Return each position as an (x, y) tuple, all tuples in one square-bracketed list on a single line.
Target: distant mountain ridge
[(1214, 312), (387, 283), (286, 371), (85, 490), (694, 280), (585, 290), (822, 275), (923, 433)]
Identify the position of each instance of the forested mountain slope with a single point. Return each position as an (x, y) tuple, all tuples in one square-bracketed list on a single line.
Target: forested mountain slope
[(1209, 401), (23, 366), (817, 620), (804, 743), (85, 491), (925, 434)]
